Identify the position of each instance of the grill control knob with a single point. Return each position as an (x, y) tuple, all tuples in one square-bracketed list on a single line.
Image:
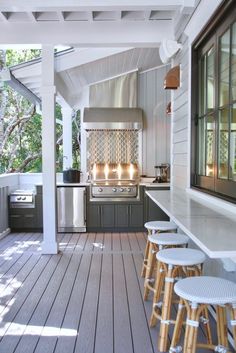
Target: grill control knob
[(18, 198), (24, 198), (122, 189), (100, 190), (114, 190), (129, 189)]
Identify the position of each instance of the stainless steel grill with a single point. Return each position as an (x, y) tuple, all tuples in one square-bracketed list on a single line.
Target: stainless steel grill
[(114, 181), (22, 199)]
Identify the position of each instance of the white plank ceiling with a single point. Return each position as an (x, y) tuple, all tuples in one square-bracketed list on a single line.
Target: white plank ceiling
[(72, 77), (102, 22), (109, 37)]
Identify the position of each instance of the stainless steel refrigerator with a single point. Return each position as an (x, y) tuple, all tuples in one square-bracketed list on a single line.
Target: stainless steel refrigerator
[(71, 209)]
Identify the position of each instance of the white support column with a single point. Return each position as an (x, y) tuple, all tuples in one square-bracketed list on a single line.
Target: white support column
[(67, 137), (48, 91)]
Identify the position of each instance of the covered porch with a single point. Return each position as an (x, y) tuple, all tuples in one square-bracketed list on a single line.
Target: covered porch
[(82, 292)]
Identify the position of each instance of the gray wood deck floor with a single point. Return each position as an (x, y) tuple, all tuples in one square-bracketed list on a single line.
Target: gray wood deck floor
[(87, 299)]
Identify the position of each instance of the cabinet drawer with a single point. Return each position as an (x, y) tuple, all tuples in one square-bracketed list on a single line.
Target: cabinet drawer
[(23, 221)]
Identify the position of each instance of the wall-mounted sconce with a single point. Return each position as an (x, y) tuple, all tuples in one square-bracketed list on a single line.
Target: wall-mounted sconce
[(172, 79), (168, 49)]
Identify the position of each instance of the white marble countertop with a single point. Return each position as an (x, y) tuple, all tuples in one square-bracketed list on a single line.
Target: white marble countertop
[(61, 183), (72, 184), (155, 185), (213, 229)]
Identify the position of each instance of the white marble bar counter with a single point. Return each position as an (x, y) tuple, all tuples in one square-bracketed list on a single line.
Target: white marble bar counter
[(213, 229)]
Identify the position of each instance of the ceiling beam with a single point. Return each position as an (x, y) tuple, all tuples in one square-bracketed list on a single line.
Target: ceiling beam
[(89, 34), (31, 16), (84, 56), (147, 15), (60, 16), (183, 15), (86, 5), (3, 18), (23, 90)]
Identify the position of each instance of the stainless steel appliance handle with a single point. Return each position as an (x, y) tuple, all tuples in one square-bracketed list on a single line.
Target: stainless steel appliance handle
[(85, 206)]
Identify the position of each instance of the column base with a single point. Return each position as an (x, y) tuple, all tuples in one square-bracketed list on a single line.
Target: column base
[(49, 248)]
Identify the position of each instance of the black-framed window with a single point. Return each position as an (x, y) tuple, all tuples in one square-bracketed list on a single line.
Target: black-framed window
[(214, 106)]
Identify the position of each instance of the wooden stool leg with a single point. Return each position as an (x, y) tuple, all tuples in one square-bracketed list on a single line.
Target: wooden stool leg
[(178, 325), (165, 316), (207, 326), (146, 252), (222, 330), (149, 269), (192, 323), (157, 293), (233, 323)]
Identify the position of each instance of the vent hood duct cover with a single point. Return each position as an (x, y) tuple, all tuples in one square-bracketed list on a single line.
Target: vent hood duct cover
[(113, 119)]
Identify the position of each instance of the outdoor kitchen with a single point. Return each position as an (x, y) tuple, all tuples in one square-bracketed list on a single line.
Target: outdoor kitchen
[(117, 176)]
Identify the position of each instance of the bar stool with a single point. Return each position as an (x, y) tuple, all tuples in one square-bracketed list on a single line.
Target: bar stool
[(152, 228), (172, 264), (160, 242), (197, 293)]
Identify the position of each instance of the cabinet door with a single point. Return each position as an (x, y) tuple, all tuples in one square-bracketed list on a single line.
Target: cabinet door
[(39, 210), (136, 216), (121, 216), (154, 212), (107, 216), (23, 221), (93, 216)]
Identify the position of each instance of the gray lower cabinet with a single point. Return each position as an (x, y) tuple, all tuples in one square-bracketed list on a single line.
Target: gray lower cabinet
[(24, 218), (114, 217), (122, 215), (93, 216), (27, 219), (152, 211), (136, 216), (107, 216)]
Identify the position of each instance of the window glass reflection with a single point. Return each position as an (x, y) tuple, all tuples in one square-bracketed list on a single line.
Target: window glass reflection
[(224, 68), (232, 169), (223, 147)]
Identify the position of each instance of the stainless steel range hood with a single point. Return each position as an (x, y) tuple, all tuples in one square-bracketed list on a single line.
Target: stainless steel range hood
[(113, 119)]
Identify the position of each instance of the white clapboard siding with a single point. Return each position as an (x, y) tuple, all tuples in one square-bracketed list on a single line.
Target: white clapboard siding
[(153, 99), (3, 209), (180, 128)]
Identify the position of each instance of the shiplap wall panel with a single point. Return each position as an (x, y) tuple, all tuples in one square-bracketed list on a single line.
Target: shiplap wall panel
[(180, 124), (153, 99), (180, 136), (3, 208), (180, 121)]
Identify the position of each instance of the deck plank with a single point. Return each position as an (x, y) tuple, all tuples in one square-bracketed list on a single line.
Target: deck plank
[(104, 331), (16, 319), (87, 326), (37, 321), (122, 337), (66, 343), (140, 332), (46, 342), (86, 299)]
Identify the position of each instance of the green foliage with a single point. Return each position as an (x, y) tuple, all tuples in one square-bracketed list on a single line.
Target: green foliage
[(14, 57), (25, 139)]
